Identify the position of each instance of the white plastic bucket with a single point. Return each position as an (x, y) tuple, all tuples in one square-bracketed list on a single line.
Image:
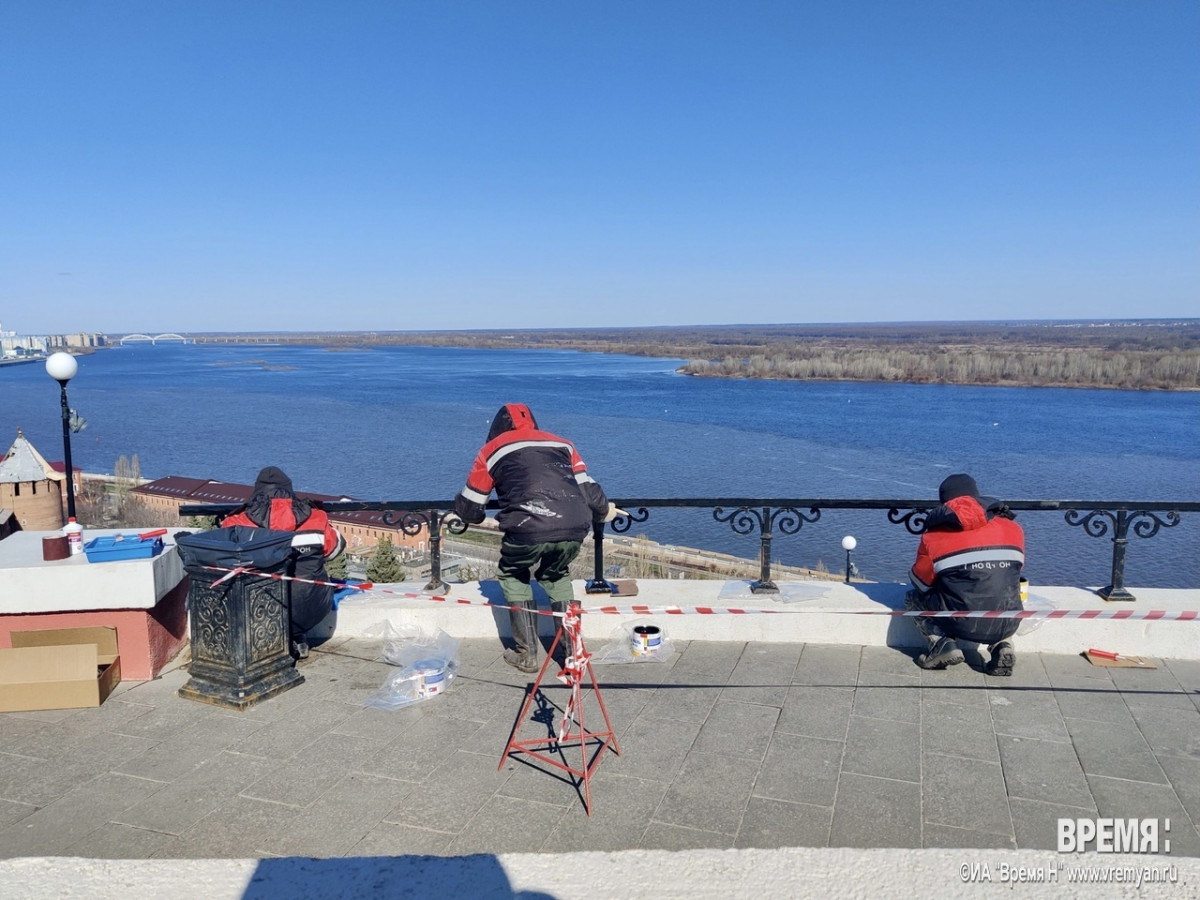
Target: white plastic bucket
[(431, 677)]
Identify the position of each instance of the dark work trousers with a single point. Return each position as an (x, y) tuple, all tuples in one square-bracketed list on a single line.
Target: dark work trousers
[(548, 564)]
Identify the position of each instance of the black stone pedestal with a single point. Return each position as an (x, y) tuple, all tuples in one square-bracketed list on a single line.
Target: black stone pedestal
[(240, 626)]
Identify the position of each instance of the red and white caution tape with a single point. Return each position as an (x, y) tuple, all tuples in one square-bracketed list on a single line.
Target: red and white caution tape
[(1184, 615), (365, 586), (1161, 615), (572, 672)]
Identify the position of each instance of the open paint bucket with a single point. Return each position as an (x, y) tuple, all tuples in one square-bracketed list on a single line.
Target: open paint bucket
[(431, 676), (646, 639)]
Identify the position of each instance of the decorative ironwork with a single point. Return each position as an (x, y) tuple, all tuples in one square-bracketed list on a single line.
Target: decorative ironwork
[(743, 519), (269, 630), (1092, 522), (240, 639), (786, 515), (1145, 524), (622, 524), (913, 520), (210, 621), (1144, 529)]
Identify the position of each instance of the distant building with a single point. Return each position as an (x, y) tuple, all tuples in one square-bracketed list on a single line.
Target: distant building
[(14, 346), (362, 530), (77, 475), (31, 490)]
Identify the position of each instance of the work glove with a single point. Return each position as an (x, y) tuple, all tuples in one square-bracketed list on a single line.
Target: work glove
[(613, 512)]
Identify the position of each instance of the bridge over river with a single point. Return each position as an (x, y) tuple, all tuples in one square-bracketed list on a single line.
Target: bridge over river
[(153, 339)]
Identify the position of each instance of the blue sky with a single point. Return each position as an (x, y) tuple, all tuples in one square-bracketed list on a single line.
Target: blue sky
[(361, 165)]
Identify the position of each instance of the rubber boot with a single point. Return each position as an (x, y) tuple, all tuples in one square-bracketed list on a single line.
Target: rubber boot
[(1004, 658), (523, 657), (563, 646)]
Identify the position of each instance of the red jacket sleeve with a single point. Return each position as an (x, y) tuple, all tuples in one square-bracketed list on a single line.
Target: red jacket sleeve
[(922, 573), (471, 503)]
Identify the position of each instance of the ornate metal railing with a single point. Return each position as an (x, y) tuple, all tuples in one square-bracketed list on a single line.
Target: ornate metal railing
[(745, 515)]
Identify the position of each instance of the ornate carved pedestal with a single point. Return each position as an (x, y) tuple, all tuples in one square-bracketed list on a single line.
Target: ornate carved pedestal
[(240, 638)]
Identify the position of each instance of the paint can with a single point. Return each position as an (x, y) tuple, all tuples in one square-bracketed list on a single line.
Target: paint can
[(430, 676), (55, 547), (646, 640)]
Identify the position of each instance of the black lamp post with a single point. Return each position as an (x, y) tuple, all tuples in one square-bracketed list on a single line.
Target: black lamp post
[(62, 368), (848, 544)]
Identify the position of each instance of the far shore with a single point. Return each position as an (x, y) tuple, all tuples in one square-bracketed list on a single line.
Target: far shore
[(1134, 354)]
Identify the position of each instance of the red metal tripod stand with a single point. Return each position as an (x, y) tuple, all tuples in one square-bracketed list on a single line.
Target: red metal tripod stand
[(579, 661)]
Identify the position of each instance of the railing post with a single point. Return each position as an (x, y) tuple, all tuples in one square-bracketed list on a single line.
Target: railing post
[(435, 554), (765, 585), (597, 584), (1116, 589)]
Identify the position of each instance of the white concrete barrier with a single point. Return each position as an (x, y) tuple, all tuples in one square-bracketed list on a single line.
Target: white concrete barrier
[(797, 873), (822, 612)]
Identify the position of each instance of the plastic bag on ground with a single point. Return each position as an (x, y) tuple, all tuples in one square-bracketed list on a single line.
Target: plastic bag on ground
[(635, 642), (427, 665)]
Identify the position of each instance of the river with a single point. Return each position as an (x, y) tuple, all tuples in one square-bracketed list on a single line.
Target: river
[(405, 423)]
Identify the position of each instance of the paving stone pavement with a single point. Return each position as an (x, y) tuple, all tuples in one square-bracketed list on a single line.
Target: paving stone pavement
[(722, 745)]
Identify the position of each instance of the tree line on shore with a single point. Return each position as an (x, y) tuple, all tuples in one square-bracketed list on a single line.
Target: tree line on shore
[(1125, 354), (1130, 370)]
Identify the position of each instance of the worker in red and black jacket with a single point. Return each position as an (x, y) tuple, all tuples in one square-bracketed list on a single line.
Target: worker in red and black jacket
[(970, 558), (275, 505), (548, 503)]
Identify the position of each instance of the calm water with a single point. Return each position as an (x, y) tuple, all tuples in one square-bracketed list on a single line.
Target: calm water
[(405, 423)]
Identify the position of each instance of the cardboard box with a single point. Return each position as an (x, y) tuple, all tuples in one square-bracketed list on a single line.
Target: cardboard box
[(62, 668)]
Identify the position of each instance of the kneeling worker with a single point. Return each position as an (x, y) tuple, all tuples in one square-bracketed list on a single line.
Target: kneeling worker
[(548, 503), (970, 558)]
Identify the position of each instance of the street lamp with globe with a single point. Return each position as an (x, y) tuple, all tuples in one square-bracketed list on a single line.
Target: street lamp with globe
[(62, 368), (848, 544)]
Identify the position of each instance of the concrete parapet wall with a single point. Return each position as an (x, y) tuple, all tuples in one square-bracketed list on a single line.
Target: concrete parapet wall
[(812, 612), (795, 872)]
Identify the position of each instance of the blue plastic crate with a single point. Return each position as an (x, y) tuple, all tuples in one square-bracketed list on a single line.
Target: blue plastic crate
[(108, 548)]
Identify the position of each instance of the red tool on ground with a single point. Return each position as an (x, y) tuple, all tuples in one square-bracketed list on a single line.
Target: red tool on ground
[(1109, 654), (546, 749)]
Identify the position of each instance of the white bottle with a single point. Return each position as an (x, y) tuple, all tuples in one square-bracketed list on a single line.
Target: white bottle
[(74, 532)]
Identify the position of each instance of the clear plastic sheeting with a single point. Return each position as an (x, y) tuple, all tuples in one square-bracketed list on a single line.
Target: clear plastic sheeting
[(789, 592), (637, 641), (1035, 602), (427, 665)]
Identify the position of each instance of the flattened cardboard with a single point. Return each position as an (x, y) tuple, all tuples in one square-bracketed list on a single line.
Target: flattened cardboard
[(625, 587), (1125, 662), (64, 668)]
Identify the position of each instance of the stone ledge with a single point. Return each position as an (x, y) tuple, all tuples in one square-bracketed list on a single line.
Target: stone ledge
[(823, 619), (798, 872), (30, 584)]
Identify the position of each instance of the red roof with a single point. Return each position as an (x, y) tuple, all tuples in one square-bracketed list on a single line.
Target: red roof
[(205, 490)]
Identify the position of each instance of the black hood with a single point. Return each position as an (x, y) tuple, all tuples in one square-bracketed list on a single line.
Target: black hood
[(960, 485), (273, 484), (512, 417)]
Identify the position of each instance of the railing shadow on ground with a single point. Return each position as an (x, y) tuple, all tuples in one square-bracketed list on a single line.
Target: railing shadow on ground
[(767, 516)]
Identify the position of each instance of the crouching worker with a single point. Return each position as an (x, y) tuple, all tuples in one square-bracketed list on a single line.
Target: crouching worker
[(275, 505), (548, 503), (970, 558)]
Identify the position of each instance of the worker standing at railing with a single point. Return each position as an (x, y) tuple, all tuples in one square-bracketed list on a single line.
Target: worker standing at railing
[(970, 558), (548, 503)]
